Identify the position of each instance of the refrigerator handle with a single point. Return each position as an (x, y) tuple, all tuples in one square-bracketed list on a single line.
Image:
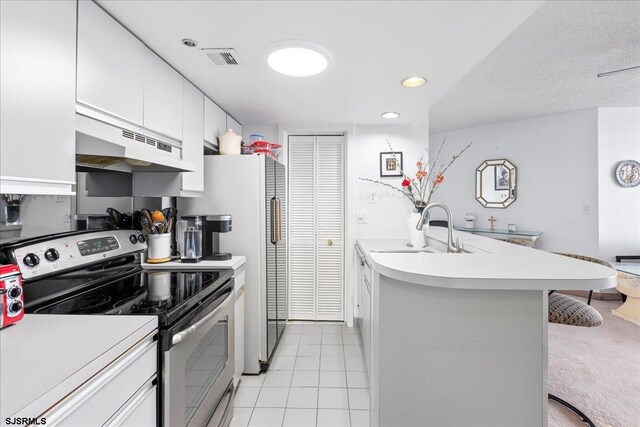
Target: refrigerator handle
[(276, 233)]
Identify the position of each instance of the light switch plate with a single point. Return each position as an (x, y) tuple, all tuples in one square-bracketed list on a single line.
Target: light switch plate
[(372, 197), (362, 217)]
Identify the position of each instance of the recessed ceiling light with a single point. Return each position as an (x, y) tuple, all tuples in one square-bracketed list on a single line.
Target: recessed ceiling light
[(390, 115), (189, 42), (298, 58), (414, 82)]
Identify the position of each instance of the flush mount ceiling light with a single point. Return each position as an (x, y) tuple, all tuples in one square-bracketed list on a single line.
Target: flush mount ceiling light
[(298, 58), (414, 82), (390, 115), (189, 42)]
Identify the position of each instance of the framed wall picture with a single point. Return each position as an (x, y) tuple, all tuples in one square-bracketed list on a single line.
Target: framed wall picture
[(390, 164), (502, 178)]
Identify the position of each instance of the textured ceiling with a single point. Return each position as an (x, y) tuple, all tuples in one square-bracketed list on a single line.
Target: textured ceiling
[(548, 65), (373, 45)]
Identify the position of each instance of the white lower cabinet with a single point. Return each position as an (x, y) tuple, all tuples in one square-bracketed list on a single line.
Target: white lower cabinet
[(123, 393), (366, 322), (240, 291), (364, 304)]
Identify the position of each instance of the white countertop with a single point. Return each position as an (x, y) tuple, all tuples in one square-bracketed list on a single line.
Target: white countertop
[(45, 357), (234, 263), (493, 264)]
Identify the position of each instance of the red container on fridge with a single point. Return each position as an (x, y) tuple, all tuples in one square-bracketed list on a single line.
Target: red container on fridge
[(11, 296)]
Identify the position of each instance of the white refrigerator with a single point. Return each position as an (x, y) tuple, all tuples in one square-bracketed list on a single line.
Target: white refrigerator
[(252, 188)]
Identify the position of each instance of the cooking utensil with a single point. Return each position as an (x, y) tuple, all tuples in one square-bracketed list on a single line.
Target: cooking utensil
[(116, 216), (147, 215), (160, 227), (146, 225), (170, 215)]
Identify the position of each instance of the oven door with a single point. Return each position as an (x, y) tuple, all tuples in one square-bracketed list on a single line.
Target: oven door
[(198, 365)]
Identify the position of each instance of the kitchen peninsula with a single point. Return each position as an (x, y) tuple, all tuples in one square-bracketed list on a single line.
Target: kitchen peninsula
[(461, 338)]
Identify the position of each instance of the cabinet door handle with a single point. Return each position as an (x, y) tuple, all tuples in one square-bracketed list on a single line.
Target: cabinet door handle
[(330, 242)]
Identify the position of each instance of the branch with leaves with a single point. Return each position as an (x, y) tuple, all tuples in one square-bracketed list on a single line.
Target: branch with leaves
[(420, 189)]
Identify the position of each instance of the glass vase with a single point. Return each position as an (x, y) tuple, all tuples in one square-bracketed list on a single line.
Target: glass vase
[(416, 236)]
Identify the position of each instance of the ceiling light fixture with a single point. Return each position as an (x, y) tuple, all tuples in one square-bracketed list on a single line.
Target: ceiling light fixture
[(189, 42), (390, 115), (298, 58), (414, 82)]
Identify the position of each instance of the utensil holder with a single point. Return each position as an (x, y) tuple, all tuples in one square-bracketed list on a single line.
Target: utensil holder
[(158, 248)]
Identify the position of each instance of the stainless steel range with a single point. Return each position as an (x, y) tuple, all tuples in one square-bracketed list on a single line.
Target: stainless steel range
[(97, 272)]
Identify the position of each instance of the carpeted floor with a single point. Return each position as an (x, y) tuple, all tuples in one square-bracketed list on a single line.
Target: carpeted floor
[(597, 370)]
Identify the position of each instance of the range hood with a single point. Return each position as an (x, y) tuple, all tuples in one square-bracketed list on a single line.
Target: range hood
[(101, 145)]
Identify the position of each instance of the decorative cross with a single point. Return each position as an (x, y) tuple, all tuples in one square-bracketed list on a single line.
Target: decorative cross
[(492, 220)]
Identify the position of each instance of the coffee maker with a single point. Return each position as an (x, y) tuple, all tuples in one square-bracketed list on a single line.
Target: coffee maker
[(211, 226)]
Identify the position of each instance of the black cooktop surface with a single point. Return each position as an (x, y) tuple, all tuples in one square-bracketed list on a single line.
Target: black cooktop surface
[(127, 291)]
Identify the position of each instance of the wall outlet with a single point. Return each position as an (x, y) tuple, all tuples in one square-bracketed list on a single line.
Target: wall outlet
[(362, 217), (586, 209), (372, 197)]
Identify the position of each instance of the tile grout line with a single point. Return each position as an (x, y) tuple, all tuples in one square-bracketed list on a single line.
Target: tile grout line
[(346, 379)]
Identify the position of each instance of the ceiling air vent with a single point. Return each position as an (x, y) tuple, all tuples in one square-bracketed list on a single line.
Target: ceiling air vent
[(224, 57)]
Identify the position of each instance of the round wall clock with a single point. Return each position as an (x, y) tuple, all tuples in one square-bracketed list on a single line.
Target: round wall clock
[(628, 173)]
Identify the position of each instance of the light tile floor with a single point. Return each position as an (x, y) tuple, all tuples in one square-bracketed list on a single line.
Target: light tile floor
[(317, 378)]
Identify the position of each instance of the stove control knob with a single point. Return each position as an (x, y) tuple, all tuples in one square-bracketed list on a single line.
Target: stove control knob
[(52, 255), (14, 292), (133, 239), (15, 307), (31, 260), (140, 238)]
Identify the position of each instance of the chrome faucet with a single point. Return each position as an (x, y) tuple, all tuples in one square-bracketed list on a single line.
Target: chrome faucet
[(451, 246)]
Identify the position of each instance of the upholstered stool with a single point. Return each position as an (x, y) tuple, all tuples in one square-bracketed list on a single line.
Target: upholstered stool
[(569, 311), (520, 242), (629, 285)]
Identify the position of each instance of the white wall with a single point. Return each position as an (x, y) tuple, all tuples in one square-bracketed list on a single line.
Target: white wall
[(41, 215), (557, 161), (619, 207), (387, 218)]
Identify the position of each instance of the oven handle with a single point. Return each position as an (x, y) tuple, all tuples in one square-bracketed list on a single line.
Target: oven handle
[(180, 336)]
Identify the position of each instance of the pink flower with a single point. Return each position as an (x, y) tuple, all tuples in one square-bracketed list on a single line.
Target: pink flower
[(439, 178)]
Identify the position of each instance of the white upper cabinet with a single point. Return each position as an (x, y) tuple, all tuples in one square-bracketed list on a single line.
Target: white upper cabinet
[(37, 105), (233, 124), (192, 137), (110, 65), (215, 121), (184, 184), (162, 96)]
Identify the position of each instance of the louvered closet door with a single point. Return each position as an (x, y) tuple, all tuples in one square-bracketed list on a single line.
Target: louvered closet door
[(329, 228), (316, 216), (302, 230)]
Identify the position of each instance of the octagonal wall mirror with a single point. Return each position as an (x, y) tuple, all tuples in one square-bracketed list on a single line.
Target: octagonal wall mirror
[(496, 182)]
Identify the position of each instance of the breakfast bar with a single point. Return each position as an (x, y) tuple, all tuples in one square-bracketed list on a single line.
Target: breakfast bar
[(461, 338)]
